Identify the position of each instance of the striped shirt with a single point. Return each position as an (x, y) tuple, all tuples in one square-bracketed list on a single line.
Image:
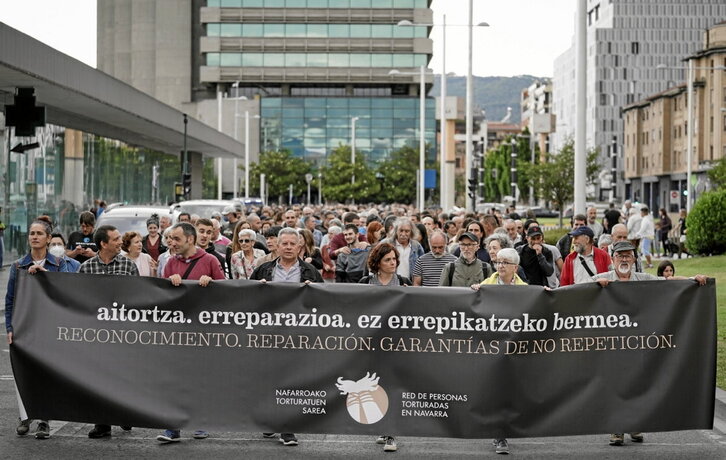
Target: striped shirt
[(429, 268)]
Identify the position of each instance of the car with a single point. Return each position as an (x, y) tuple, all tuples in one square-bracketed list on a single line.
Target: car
[(203, 208), (131, 218)]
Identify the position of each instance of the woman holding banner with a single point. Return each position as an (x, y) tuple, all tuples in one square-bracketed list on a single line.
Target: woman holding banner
[(506, 262), (38, 260), (382, 263)]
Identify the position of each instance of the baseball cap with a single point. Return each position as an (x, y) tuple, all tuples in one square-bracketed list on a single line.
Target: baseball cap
[(534, 230), (583, 231), (228, 210), (623, 246), (469, 235)]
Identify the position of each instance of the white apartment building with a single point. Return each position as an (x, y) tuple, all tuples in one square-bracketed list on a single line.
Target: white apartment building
[(627, 40)]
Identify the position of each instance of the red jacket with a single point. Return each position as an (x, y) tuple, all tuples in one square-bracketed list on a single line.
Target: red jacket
[(206, 265), (600, 257)]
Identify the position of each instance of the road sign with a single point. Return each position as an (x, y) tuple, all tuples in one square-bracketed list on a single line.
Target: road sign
[(675, 197)]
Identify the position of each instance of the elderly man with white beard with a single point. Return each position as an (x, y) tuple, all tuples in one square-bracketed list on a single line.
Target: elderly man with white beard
[(585, 261), (624, 263)]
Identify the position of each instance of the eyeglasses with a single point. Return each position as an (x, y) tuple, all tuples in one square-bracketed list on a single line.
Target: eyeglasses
[(624, 256), (245, 241), (503, 262), (468, 245)]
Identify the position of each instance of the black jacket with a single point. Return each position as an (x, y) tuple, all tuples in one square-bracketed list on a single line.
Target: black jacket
[(537, 267), (307, 272)]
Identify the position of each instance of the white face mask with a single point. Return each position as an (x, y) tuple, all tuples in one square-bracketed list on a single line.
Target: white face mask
[(57, 251)]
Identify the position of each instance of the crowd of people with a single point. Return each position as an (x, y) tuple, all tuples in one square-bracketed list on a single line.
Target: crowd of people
[(392, 245)]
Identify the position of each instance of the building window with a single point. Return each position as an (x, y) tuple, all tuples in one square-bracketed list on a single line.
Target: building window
[(635, 47)]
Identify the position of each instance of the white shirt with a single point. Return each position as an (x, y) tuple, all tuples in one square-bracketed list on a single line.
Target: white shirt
[(581, 275), (404, 254), (634, 226), (647, 228)]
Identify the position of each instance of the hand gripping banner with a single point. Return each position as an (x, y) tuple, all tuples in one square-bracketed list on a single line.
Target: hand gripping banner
[(506, 361)]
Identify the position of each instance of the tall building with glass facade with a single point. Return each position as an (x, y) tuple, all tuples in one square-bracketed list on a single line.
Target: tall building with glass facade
[(628, 43), (305, 67)]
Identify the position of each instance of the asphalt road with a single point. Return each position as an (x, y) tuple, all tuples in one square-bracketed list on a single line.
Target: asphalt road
[(69, 439)]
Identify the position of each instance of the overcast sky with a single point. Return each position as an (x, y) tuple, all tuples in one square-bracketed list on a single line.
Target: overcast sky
[(524, 37)]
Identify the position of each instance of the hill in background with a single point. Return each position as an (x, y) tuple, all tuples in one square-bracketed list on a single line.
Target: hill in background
[(493, 94)]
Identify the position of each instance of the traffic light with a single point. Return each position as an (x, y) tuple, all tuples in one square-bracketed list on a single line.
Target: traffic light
[(187, 185), (23, 114), (473, 184)]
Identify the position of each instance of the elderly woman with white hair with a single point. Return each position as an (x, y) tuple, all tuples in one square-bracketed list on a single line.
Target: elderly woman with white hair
[(246, 258), (506, 263)]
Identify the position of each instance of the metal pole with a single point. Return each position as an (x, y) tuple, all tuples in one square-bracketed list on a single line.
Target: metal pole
[(613, 167), (422, 138), (219, 128), (247, 154), (352, 147), (469, 95), (513, 169), (689, 103), (443, 199), (263, 195), (320, 188), (236, 121), (581, 106)]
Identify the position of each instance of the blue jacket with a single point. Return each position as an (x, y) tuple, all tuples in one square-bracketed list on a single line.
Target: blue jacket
[(52, 264)]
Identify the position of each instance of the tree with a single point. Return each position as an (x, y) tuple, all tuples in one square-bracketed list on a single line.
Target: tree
[(398, 175), (281, 169), (498, 184), (337, 176), (555, 178), (718, 174)]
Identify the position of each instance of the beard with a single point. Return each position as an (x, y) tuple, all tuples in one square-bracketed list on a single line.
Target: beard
[(580, 249), (624, 269), (437, 256)]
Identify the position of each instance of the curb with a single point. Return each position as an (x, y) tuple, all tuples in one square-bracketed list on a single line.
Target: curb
[(719, 412)]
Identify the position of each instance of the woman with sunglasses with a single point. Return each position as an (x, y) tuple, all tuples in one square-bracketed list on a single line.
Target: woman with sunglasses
[(245, 258)]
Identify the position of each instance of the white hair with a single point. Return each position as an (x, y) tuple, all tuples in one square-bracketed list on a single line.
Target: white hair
[(509, 254)]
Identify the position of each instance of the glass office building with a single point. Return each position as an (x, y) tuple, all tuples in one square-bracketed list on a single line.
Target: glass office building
[(315, 64), (310, 127)]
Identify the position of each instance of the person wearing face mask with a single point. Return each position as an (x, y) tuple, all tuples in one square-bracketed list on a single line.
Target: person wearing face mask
[(624, 263), (428, 268), (58, 249), (585, 261)]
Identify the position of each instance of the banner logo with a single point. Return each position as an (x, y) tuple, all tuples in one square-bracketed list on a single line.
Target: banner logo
[(367, 401)]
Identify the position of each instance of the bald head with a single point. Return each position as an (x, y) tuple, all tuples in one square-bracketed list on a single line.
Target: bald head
[(619, 233)]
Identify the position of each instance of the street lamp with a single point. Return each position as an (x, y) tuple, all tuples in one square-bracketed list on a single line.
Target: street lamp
[(689, 108), (247, 143), (447, 178), (422, 130), (352, 147)]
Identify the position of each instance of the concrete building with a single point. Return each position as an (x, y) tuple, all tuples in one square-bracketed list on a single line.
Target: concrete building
[(656, 131), (626, 41), (536, 113), (300, 69)]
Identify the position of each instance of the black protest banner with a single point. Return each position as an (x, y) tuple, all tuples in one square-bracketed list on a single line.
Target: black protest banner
[(510, 361)]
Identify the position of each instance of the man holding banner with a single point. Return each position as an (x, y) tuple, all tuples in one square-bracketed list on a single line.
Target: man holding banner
[(193, 263), (624, 263), (108, 261), (287, 268)]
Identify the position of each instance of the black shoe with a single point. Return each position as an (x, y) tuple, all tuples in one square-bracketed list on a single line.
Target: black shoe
[(43, 431), (288, 439), (99, 431)]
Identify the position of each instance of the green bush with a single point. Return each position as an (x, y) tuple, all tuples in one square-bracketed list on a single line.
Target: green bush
[(706, 224), (553, 236)]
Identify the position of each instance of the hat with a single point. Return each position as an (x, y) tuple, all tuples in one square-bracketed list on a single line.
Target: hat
[(228, 210), (582, 231), (469, 235), (623, 246), (534, 230), (216, 215)]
